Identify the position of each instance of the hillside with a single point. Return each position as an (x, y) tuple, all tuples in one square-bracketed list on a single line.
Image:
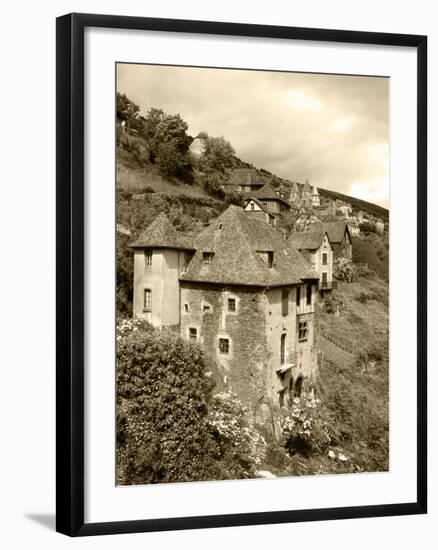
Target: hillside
[(353, 383)]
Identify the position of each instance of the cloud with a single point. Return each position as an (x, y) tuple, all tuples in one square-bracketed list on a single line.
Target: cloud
[(329, 129)]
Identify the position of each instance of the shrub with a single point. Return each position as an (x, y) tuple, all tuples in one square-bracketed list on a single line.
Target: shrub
[(343, 270), (162, 395), (305, 426), (240, 445)]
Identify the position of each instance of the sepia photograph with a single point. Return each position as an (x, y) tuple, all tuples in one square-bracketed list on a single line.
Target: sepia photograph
[(252, 274)]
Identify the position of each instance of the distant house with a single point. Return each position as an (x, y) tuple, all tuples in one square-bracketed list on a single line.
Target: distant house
[(294, 194), (354, 228), (344, 209), (241, 293), (198, 146), (380, 226), (306, 194), (271, 199), (315, 247), (339, 236), (315, 197), (256, 209), (305, 221), (245, 180)]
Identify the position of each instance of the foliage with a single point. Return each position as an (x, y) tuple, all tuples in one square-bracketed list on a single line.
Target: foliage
[(218, 156), (240, 445), (374, 251), (357, 405), (126, 327), (127, 110), (305, 426), (169, 144), (125, 276), (343, 270), (162, 396)]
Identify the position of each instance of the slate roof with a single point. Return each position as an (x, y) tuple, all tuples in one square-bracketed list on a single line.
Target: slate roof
[(307, 240), (335, 230), (235, 239), (243, 176), (267, 192), (161, 234)]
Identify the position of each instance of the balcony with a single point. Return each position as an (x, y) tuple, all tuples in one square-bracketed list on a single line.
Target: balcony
[(328, 285)]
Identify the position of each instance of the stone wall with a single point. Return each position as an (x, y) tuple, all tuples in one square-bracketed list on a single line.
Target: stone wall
[(205, 308)]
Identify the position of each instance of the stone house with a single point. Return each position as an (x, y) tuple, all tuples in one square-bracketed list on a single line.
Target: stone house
[(241, 293), (339, 237), (315, 247), (271, 199)]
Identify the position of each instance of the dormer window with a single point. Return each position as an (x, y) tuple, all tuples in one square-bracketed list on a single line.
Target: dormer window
[(207, 258), (267, 257)]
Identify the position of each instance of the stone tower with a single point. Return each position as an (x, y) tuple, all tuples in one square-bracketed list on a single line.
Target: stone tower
[(161, 254)]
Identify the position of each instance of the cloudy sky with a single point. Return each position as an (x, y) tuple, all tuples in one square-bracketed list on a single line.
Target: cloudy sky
[(329, 129)]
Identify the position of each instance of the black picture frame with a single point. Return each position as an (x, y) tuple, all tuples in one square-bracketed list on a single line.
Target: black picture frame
[(70, 273)]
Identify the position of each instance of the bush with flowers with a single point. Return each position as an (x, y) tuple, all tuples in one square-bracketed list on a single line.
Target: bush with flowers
[(306, 429), (343, 270), (241, 447)]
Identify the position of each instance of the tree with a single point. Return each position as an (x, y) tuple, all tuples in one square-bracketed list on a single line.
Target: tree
[(218, 155), (169, 144), (126, 109)]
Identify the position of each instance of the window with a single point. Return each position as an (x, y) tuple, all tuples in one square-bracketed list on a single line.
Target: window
[(298, 386), (309, 294), (207, 257), (267, 257), (186, 308), (270, 259), (298, 296), (147, 299), (148, 258), (252, 206), (285, 301), (224, 345), (281, 395), (283, 349), (324, 258), (206, 308), (302, 331), (193, 334), (291, 387), (231, 304)]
